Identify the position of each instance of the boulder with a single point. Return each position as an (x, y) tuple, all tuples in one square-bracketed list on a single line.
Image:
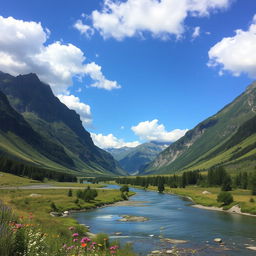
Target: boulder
[(206, 192), (217, 240), (55, 214)]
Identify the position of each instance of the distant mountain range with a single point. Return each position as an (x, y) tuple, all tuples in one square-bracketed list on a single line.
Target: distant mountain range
[(36, 129), (227, 138), (133, 160)]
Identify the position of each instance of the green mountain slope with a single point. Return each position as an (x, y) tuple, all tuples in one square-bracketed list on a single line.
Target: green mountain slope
[(134, 159), (211, 140), (57, 125)]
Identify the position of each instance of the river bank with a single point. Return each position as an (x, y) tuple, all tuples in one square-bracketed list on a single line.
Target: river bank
[(206, 198)]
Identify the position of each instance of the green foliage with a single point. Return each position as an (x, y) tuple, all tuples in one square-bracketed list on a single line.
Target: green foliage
[(124, 188), (225, 197), (124, 196), (88, 194), (253, 184), (54, 207), (70, 193)]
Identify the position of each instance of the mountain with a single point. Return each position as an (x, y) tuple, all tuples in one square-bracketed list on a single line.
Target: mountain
[(227, 138), (134, 159), (58, 127)]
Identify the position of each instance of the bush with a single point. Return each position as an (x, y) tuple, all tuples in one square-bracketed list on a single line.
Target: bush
[(70, 193), (124, 188), (251, 200), (225, 198)]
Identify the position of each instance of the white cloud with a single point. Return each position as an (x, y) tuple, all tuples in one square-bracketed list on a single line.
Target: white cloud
[(236, 54), (83, 28), (24, 49), (94, 71), (153, 131), (81, 108), (160, 18), (110, 141), (196, 32)]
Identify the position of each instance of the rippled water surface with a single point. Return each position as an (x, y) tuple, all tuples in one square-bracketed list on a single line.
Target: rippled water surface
[(173, 217)]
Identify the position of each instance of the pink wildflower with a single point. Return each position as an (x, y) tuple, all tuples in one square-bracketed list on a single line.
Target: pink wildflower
[(75, 235)]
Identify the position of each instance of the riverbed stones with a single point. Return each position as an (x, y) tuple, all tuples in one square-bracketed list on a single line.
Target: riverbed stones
[(217, 240)]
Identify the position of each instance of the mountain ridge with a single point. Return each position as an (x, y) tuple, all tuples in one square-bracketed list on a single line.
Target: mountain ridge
[(55, 122), (207, 135)]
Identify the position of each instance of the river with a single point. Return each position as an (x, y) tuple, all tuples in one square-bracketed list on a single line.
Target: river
[(172, 216)]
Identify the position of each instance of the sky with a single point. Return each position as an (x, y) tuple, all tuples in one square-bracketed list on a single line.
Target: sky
[(135, 70)]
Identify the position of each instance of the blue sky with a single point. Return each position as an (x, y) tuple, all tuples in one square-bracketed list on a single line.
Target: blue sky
[(137, 70)]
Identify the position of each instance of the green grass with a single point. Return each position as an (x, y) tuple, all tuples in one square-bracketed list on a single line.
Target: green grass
[(23, 204), (226, 155), (7, 179)]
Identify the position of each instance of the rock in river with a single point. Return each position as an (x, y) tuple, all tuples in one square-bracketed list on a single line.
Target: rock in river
[(133, 218)]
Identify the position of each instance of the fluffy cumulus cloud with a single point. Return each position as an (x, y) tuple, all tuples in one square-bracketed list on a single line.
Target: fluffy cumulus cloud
[(236, 54), (81, 108), (153, 131), (161, 18), (24, 49), (110, 141)]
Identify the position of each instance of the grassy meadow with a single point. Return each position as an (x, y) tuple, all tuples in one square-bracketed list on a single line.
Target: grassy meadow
[(33, 207)]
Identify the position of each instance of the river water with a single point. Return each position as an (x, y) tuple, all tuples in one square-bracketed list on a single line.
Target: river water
[(171, 216)]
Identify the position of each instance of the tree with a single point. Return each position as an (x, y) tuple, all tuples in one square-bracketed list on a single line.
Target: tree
[(225, 198), (160, 186), (70, 193), (124, 188), (226, 185), (253, 184)]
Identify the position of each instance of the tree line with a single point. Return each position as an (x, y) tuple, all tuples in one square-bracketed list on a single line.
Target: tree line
[(33, 172), (216, 177)]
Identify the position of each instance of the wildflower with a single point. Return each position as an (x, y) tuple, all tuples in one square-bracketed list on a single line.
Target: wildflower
[(71, 228), (18, 226), (83, 244), (70, 247), (75, 240), (75, 235), (85, 239)]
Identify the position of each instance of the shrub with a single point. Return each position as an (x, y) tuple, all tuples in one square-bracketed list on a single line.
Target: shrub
[(124, 188), (70, 193), (225, 198), (54, 207)]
